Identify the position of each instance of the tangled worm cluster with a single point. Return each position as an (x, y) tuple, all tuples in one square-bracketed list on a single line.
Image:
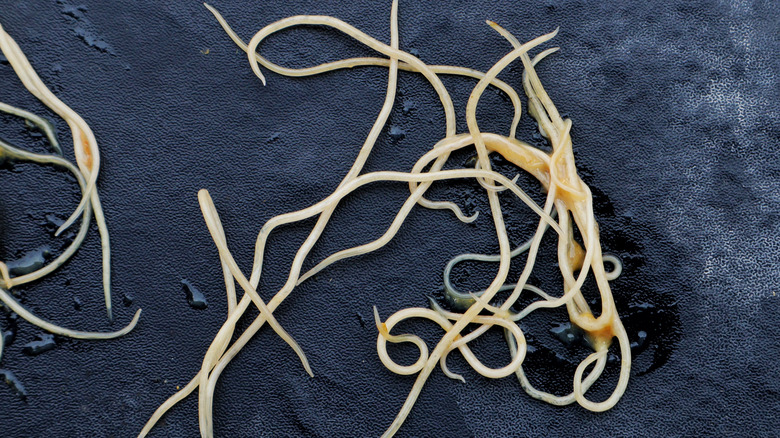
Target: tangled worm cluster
[(568, 198), (86, 173)]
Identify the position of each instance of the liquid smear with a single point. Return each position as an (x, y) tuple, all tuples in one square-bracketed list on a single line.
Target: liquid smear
[(29, 262), (83, 27), (44, 343), (14, 383), (397, 134), (195, 297)]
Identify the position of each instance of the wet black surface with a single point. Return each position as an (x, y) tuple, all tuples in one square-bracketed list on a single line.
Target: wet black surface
[(675, 110)]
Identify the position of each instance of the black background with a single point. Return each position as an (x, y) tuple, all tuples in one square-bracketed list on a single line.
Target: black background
[(675, 111)]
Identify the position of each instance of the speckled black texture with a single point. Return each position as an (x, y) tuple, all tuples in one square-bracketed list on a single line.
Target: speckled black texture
[(675, 108)]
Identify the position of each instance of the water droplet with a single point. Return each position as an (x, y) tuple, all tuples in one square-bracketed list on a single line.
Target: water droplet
[(9, 334), (195, 298), (52, 223), (567, 334), (14, 383), (471, 161), (76, 12), (409, 105), (127, 300), (275, 136), (44, 343), (77, 303), (396, 133), (56, 68), (641, 338), (30, 262), (93, 40), (414, 52)]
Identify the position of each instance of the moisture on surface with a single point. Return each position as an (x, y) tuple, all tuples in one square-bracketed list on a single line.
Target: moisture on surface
[(29, 262), (195, 297), (44, 343), (14, 383)]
